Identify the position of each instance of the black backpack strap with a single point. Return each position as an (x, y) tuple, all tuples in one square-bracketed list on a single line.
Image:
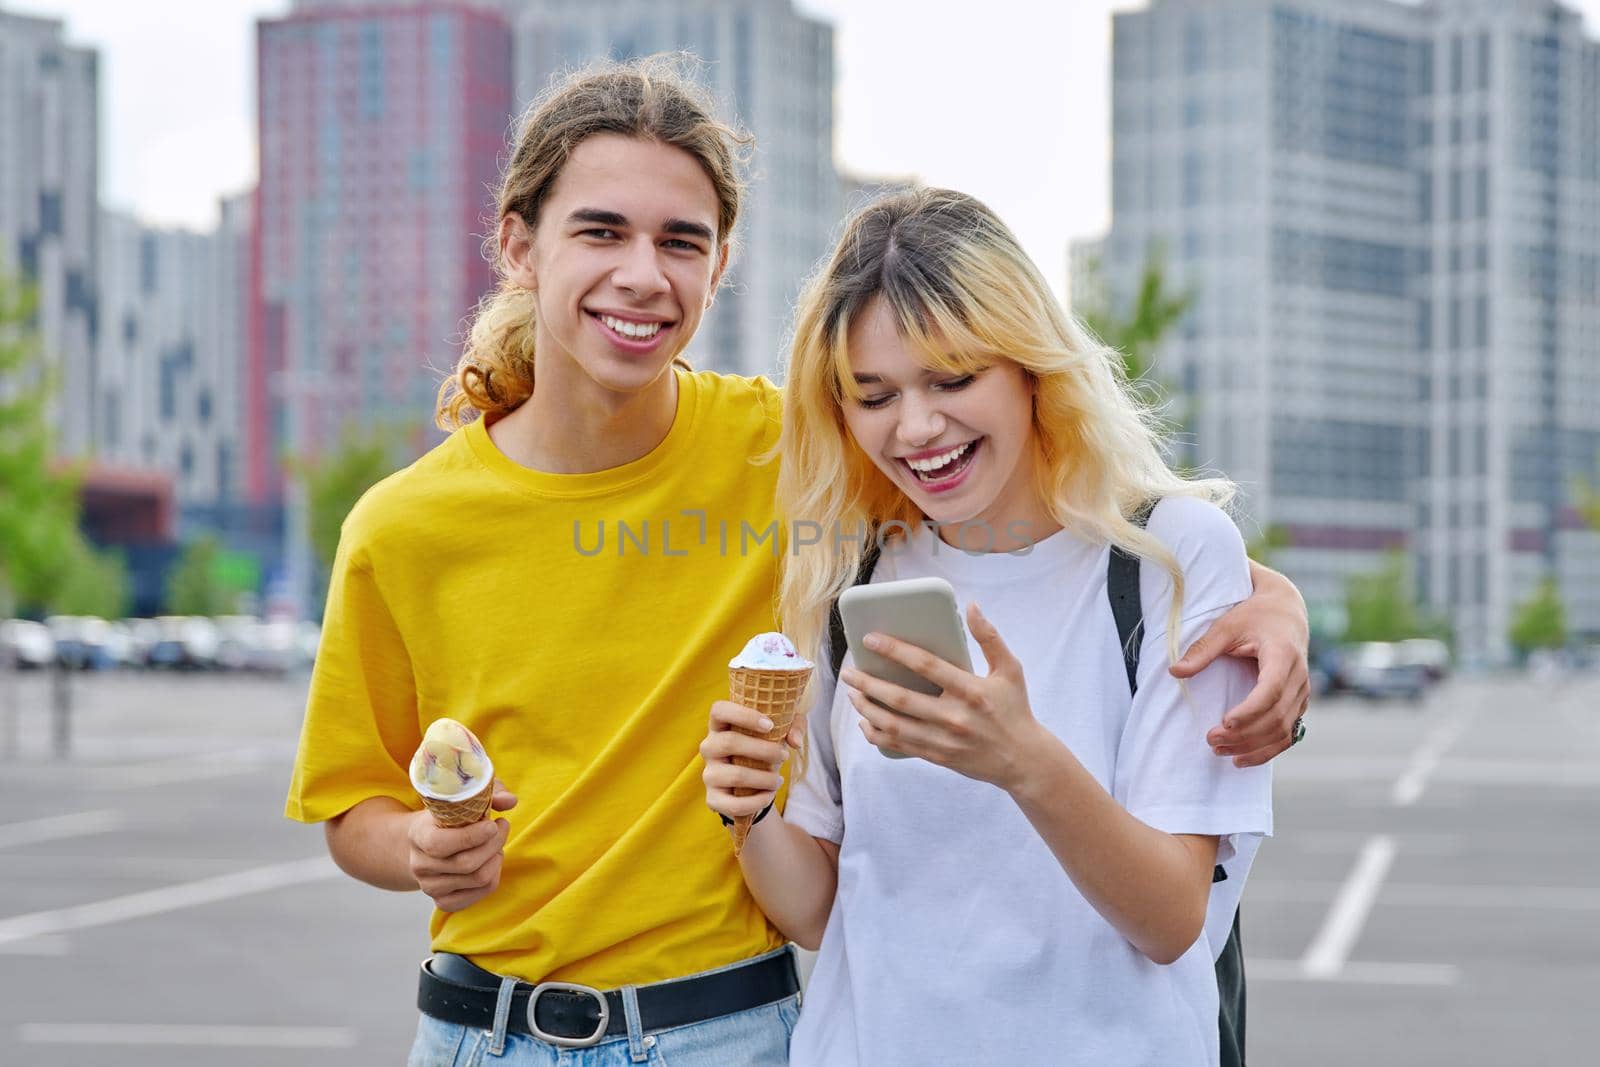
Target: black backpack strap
[(1122, 587), (836, 638)]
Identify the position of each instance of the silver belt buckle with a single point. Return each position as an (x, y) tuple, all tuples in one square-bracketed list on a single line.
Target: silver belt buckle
[(569, 987)]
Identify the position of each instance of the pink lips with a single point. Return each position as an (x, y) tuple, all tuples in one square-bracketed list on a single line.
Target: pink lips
[(632, 345), (945, 485)]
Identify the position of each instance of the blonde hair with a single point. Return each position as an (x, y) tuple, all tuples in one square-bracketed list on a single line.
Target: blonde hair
[(652, 99), (964, 294)]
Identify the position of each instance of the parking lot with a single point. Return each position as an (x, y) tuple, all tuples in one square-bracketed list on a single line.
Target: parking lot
[(1432, 895)]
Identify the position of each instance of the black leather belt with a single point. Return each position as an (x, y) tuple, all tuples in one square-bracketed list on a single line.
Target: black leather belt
[(456, 990)]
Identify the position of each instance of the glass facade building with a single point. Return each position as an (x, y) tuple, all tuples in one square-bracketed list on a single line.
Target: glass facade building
[(1390, 215)]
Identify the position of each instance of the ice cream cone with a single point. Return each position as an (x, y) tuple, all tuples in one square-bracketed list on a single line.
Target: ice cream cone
[(776, 694), (452, 774), (459, 810)]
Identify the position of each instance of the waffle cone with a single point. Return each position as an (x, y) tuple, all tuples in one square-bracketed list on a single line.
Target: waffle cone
[(775, 694), (462, 812)]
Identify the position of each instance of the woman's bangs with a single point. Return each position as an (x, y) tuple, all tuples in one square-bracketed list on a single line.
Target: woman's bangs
[(844, 378), (940, 334)]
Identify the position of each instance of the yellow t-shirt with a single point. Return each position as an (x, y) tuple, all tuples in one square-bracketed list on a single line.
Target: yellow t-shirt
[(581, 626)]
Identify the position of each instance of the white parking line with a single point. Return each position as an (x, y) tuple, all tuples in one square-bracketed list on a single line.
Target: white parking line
[(1435, 895), (190, 767), (1357, 972), (1408, 789), (56, 827), (168, 898), (172, 1034), (1326, 955)]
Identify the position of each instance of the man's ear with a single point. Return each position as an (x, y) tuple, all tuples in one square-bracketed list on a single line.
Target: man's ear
[(516, 251), (716, 274)]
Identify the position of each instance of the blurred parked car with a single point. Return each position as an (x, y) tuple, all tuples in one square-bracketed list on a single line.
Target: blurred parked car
[(1429, 653), (184, 642), (26, 643), (275, 650), (1375, 670), (238, 637), (83, 642)]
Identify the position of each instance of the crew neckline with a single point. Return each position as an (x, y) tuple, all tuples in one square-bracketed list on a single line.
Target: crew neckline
[(1060, 547), (594, 483)]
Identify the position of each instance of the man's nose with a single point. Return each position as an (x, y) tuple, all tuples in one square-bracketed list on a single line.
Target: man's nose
[(640, 271)]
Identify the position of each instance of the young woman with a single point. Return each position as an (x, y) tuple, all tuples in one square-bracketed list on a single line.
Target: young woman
[(1037, 887)]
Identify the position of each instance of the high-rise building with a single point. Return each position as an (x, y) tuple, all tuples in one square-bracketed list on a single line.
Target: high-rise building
[(49, 189), (163, 397), (1390, 215), (771, 70), (380, 130), (228, 342), (168, 397)]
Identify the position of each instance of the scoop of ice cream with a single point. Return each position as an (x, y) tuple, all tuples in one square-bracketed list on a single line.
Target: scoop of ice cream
[(449, 759), (770, 652)]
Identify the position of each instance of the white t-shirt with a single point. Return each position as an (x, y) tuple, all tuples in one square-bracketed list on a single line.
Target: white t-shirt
[(955, 936)]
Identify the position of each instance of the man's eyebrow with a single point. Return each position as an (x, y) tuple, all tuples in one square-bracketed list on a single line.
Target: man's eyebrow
[(598, 217), (686, 228)]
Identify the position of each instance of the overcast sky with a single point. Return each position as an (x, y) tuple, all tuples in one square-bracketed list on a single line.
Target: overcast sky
[(1004, 99)]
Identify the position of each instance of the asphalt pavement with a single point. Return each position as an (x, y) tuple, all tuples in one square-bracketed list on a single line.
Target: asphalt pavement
[(1432, 895)]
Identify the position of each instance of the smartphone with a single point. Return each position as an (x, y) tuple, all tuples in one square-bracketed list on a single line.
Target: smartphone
[(918, 611)]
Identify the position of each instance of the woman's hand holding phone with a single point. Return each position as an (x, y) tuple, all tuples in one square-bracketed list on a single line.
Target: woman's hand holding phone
[(983, 728)]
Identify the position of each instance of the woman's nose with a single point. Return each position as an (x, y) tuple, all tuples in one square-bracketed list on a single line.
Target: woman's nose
[(921, 422)]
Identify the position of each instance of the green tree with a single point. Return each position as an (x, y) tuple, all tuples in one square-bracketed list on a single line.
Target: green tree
[(38, 503), (1138, 331), (1587, 500), (1265, 545), (335, 481), (1540, 621), (1378, 606), (95, 583), (200, 582)]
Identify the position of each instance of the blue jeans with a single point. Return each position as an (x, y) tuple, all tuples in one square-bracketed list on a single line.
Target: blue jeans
[(758, 1037)]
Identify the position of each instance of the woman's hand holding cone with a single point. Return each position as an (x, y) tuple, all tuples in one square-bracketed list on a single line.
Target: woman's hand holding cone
[(733, 789)]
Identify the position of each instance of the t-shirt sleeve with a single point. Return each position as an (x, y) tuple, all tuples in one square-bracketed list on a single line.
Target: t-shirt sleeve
[(816, 802), (1167, 776), (360, 728)]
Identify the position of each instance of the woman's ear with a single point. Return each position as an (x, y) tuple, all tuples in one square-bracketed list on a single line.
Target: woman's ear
[(516, 251)]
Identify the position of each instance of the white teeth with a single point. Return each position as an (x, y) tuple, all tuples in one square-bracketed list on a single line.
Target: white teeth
[(637, 330), (933, 463)]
